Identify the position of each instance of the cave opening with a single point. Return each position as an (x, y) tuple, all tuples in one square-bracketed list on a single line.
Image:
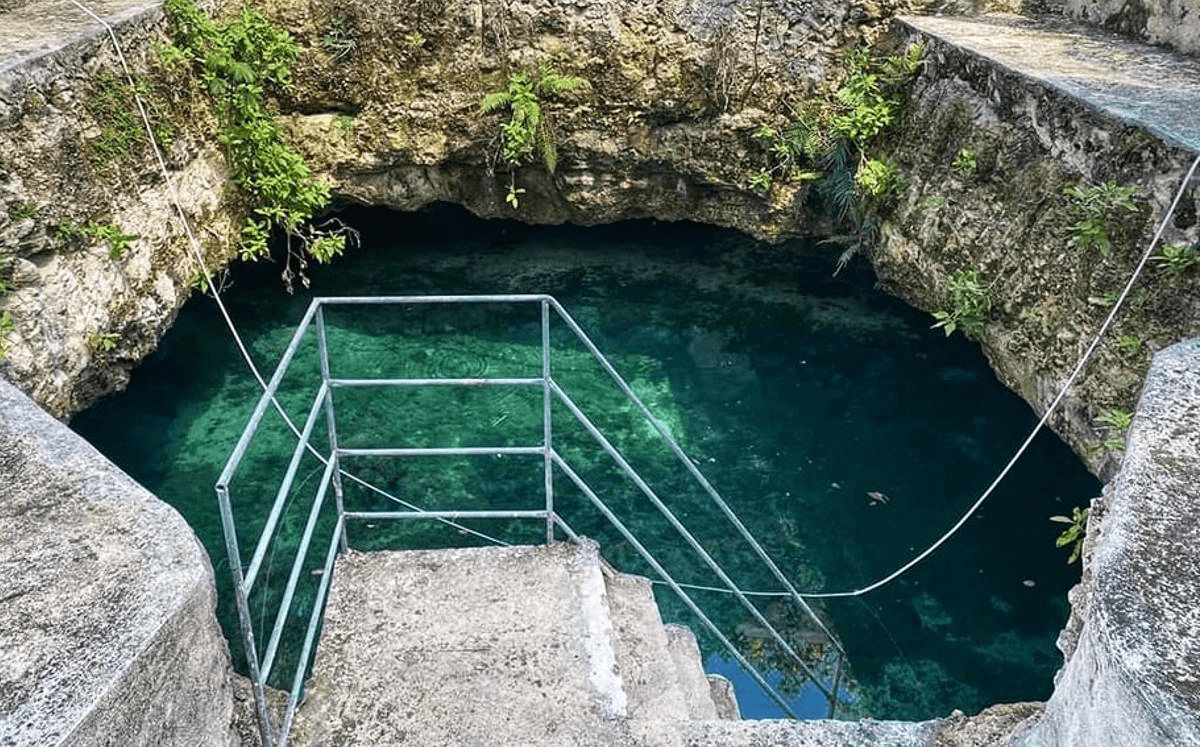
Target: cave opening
[(802, 396)]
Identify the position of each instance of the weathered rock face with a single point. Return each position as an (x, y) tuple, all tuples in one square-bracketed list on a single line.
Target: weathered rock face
[(1009, 219), (108, 631), (71, 151), (1132, 650), (1173, 23), (679, 87), (386, 104)]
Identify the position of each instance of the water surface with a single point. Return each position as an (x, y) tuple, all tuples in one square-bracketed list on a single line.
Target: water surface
[(798, 394)]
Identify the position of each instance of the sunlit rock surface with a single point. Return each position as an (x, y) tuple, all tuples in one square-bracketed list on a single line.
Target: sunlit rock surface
[(1134, 640), (107, 627)]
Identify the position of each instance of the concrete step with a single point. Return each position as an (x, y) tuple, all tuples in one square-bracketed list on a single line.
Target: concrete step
[(496, 646), (724, 698), (813, 734), (685, 655), (644, 659)]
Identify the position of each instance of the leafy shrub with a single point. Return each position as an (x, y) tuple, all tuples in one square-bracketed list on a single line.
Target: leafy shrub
[(1118, 422), (970, 304), (239, 62), (1073, 534), (103, 342), (1177, 258), (117, 240), (1129, 345), (964, 163), (1094, 206), (879, 179)]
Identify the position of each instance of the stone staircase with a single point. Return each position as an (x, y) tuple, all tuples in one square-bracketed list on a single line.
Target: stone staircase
[(501, 646), (541, 646)]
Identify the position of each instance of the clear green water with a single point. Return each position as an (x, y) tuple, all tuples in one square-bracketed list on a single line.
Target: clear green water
[(795, 392)]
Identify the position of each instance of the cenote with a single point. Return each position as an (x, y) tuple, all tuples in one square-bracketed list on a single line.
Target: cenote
[(797, 393)]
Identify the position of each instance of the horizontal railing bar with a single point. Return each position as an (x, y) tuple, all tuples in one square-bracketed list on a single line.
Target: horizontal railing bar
[(415, 507), (289, 477), (719, 590), (294, 577), (391, 300), (310, 634), (683, 531), (682, 456), (670, 581), (500, 514), (268, 396), (440, 451), (432, 382)]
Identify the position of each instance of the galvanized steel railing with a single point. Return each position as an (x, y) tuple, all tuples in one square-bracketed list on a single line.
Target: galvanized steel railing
[(245, 576)]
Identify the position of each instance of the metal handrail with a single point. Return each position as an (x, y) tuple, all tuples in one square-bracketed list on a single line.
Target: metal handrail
[(245, 579)]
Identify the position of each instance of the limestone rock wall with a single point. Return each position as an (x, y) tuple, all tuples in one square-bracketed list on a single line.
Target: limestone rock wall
[(1130, 676), (1009, 219), (70, 150), (387, 102), (108, 631)]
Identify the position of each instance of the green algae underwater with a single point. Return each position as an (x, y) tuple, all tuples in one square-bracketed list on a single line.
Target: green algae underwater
[(798, 395)]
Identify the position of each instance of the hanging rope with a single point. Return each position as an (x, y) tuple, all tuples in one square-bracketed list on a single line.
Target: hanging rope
[(198, 255), (1050, 410), (1112, 314)]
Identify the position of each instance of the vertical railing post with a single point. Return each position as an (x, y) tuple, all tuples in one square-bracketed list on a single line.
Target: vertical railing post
[(265, 728), (331, 421), (547, 435)]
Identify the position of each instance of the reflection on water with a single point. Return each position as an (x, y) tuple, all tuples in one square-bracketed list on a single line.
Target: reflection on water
[(845, 432)]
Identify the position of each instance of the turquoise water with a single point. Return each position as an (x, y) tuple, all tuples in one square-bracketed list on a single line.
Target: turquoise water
[(796, 393)]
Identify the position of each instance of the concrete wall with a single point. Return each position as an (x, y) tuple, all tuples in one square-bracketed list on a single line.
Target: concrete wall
[(108, 634)]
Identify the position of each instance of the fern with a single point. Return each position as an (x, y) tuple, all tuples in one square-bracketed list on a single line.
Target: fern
[(528, 129)]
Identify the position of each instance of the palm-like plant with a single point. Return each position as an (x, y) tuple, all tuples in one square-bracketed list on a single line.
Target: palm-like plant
[(528, 128)]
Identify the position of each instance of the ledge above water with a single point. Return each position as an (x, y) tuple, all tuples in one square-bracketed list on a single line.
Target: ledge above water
[(1139, 84)]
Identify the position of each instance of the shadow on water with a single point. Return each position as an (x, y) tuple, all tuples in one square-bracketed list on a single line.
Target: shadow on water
[(798, 394)]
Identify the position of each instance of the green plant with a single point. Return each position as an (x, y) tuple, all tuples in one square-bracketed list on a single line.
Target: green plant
[(122, 132), (1094, 206), (110, 233), (1118, 422), (103, 342), (1129, 345), (964, 163), (512, 197), (6, 327), (1177, 258), (239, 61), (70, 231), (1073, 534), (22, 210), (828, 139), (970, 303), (414, 39), (528, 127), (344, 122), (338, 40), (879, 179), (787, 149), (761, 181)]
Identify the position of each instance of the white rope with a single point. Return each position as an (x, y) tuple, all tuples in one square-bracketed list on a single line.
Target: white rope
[(1045, 417), (823, 595), (212, 287)]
